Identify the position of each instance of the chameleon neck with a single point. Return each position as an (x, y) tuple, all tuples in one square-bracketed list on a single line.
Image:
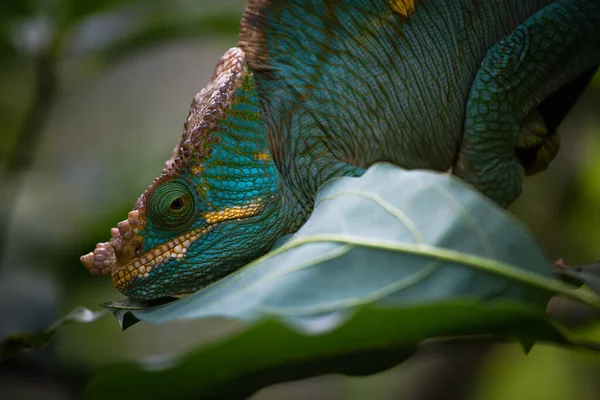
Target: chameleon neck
[(343, 86), (305, 161)]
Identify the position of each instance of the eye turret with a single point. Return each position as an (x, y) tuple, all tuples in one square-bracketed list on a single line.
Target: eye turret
[(171, 205)]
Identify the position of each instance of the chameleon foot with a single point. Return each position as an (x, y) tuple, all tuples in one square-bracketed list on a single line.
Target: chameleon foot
[(536, 147)]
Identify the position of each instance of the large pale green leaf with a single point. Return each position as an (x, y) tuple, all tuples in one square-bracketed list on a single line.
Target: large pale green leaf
[(391, 238), (386, 261)]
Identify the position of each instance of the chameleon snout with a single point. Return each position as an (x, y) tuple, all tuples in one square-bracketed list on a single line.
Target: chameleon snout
[(107, 257)]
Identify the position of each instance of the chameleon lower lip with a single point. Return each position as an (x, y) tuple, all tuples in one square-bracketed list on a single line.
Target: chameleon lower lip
[(141, 267)]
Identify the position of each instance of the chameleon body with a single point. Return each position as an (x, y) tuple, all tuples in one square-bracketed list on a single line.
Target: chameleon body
[(318, 89)]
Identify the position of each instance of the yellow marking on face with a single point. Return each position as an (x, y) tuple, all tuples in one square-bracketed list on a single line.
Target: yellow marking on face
[(197, 169), (175, 249), (262, 156), (234, 212), (405, 8)]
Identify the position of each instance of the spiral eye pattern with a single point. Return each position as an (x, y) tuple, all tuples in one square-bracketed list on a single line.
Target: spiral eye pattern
[(171, 205)]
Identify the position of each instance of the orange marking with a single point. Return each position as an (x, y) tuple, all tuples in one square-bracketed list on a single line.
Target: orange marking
[(197, 169), (234, 212), (141, 267), (262, 156), (405, 8)]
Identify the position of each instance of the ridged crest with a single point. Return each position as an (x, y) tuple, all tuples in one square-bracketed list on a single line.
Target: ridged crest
[(196, 144), (208, 108)]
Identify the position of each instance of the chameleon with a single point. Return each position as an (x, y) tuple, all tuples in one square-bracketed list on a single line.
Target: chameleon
[(318, 89)]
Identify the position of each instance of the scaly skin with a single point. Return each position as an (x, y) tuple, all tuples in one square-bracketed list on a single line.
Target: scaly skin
[(547, 51), (318, 89)]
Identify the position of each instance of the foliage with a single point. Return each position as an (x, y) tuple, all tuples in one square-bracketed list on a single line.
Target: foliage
[(269, 352), (11, 344), (385, 261), (304, 312)]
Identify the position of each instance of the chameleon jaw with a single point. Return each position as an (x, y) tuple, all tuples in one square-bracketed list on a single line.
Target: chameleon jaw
[(118, 257), (140, 267), (125, 257)]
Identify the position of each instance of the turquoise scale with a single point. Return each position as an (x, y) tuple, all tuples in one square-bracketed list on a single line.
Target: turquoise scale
[(235, 173)]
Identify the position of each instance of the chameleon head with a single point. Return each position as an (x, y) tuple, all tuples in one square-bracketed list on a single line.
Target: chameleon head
[(216, 206)]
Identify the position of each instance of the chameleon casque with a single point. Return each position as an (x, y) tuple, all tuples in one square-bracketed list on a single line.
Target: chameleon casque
[(318, 89)]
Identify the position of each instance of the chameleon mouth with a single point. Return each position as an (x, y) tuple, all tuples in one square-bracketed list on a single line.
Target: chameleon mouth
[(118, 257), (141, 267), (122, 258)]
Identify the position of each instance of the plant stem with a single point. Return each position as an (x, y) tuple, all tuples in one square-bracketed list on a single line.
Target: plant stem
[(21, 158)]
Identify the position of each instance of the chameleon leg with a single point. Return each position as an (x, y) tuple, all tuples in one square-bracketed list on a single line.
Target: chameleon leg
[(546, 52)]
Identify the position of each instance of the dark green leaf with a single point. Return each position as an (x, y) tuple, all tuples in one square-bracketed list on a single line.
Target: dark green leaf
[(15, 342), (122, 309), (270, 352)]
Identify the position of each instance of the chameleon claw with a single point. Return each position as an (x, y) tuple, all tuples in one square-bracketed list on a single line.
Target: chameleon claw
[(536, 147)]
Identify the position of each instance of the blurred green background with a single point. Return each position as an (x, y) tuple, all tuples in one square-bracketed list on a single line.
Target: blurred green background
[(93, 96)]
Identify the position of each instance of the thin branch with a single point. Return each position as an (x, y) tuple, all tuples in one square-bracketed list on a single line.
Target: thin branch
[(21, 158), (572, 313)]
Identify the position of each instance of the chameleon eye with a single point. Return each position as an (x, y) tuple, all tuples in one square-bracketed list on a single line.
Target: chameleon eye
[(177, 204), (171, 205)]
